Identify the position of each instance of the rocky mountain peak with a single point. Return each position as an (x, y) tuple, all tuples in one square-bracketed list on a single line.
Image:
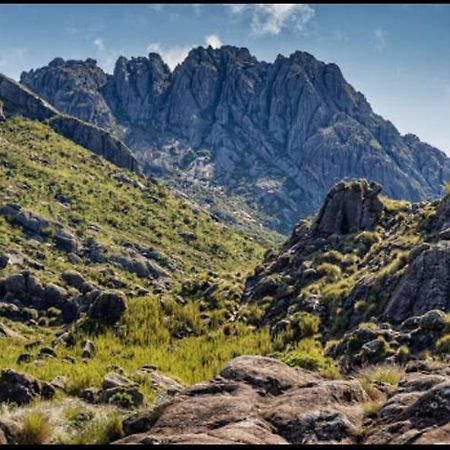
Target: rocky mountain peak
[(277, 135)]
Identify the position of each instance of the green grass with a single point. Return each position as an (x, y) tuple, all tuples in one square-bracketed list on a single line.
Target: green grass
[(36, 164), (35, 429), (308, 354), (383, 373)]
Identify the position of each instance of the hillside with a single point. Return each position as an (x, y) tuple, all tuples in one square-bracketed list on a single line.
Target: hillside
[(119, 299), (78, 231), (270, 138)]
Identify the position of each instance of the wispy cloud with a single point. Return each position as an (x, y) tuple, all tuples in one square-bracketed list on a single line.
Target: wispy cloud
[(171, 55), (272, 19), (380, 39), (213, 40), (99, 44), (105, 55)]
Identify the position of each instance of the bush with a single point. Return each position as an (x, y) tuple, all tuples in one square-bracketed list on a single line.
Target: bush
[(100, 431), (53, 312), (359, 306), (309, 355), (443, 345), (371, 408), (307, 324), (122, 399), (36, 429), (328, 270), (384, 373)]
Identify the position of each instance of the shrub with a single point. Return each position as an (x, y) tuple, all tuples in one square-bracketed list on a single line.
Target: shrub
[(308, 324), (384, 373), (371, 408), (74, 386), (253, 313), (101, 431), (359, 306), (53, 312), (35, 429), (443, 345), (309, 355), (122, 399), (328, 270)]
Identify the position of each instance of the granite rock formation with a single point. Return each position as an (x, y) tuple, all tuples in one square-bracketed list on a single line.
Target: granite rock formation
[(275, 135), (18, 99)]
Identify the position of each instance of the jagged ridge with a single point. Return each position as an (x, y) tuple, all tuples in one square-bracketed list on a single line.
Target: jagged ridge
[(277, 134)]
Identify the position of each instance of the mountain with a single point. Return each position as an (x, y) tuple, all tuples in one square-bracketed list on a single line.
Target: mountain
[(241, 134), (17, 99), (132, 314), (119, 298)]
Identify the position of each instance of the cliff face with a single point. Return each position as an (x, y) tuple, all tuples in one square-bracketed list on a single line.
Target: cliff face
[(277, 134), (72, 87), (18, 99)]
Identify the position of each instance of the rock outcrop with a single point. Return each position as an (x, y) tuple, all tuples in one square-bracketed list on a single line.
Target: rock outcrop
[(69, 87), (418, 411), (18, 99), (349, 207), (362, 257), (282, 133), (425, 285), (258, 400), (18, 388)]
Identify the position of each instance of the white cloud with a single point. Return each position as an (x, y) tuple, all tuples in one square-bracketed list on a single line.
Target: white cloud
[(380, 39), (171, 55), (267, 18), (99, 44), (213, 40)]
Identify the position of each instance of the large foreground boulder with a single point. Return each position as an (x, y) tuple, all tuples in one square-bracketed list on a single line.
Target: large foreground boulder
[(418, 412), (256, 400)]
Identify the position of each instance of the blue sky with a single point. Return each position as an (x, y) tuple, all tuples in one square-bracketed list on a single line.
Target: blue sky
[(397, 55)]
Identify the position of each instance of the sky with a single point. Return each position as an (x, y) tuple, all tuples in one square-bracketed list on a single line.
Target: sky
[(398, 56)]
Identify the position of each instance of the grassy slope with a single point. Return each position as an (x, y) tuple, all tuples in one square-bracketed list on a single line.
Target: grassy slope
[(36, 164)]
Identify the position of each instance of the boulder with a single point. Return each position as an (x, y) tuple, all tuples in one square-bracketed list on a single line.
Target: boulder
[(16, 387), (89, 395), (26, 219), (10, 429), (417, 412), (159, 381), (8, 333), (255, 400), (4, 260), (66, 241), (425, 285), (109, 307), (348, 208), (114, 380), (54, 295), (434, 320), (88, 349), (74, 279)]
